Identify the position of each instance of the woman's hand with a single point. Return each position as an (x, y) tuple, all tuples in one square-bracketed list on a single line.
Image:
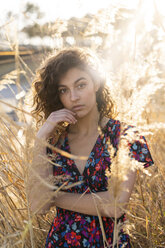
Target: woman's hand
[(62, 115)]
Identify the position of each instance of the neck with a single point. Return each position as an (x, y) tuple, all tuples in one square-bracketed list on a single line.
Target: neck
[(87, 124)]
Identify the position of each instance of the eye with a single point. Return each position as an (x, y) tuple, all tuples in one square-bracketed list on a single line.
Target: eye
[(81, 85), (62, 91)]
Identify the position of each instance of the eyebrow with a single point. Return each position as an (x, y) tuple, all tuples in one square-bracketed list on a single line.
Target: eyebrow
[(62, 85)]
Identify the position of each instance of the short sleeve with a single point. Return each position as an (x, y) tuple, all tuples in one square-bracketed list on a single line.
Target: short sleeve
[(138, 147)]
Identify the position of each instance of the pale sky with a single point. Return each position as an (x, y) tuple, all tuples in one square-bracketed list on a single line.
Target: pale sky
[(67, 8), (55, 8), (60, 8)]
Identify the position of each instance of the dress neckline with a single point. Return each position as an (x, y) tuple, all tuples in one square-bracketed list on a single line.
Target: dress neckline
[(88, 161)]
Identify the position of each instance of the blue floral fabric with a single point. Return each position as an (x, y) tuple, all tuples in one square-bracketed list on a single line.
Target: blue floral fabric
[(73, 229)]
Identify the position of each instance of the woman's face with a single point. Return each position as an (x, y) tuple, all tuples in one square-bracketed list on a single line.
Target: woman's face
[(77, 92)]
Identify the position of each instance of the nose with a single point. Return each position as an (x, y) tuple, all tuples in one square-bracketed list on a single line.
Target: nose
[(74, 95)]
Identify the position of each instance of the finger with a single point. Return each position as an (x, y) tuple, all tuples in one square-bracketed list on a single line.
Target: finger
[(70, 111), (58, 117), (64, 110), (62, 114), (70, 120)]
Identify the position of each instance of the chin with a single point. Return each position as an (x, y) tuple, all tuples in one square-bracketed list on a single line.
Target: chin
[(81, 115)]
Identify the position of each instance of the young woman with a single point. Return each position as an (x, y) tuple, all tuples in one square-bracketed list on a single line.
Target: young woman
[(70, 89)]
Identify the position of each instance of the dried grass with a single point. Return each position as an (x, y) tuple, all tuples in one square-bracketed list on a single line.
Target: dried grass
[(135, 87)]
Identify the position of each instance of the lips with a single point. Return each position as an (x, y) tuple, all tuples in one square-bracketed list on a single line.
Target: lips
[(77, 107)]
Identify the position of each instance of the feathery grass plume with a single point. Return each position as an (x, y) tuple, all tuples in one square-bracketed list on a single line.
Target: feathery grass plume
[(137, 82)]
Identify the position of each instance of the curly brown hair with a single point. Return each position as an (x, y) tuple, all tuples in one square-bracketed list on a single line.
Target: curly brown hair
[(45, 85)]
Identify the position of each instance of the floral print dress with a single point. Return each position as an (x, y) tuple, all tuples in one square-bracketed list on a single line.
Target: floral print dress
[(73, 229)]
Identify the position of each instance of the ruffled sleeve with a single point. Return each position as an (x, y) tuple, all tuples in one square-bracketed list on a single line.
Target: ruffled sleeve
[(138, 147)]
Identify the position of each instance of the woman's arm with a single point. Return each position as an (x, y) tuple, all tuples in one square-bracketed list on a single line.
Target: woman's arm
[(40, 172), (39, 179), (105, 201)]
